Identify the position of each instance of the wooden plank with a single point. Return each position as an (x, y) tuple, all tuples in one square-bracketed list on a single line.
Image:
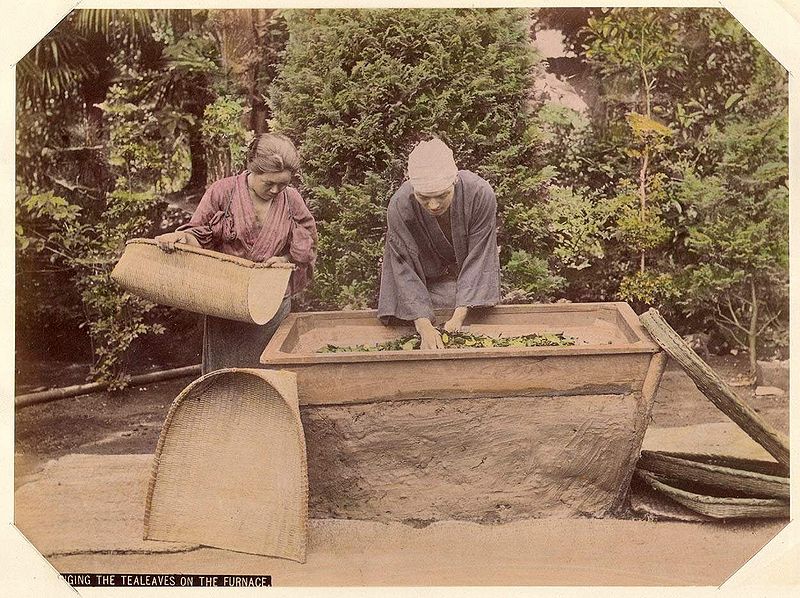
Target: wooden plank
[(527, 308), (645, 408), (718, 507), (716, 389), (727, 479), (374, 381), (630, 324)]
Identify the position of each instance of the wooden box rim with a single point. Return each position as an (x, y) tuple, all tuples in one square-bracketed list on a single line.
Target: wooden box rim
[(273, 355)]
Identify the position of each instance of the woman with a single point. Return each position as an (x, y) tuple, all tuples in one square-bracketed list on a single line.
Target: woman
[(258, 216)]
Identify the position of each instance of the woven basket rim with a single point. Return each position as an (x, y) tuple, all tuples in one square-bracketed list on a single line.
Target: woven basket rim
[(217, 255)]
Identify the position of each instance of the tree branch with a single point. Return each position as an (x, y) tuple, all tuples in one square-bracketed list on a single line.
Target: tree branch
[(53, 250), (733, 313), (725, 318), (768, 322), (733, 334)]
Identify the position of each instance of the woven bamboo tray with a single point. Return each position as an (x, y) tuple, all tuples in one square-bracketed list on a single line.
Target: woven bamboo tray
[(752, 478), (716, 506), (230, 466), (202, 281)]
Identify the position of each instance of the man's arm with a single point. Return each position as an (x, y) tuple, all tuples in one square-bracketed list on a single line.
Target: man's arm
[(431, 339), (457, 319), (479, 279), (403, 291)]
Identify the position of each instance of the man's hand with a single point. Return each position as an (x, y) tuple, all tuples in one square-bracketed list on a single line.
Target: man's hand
[(279, 261), (457, 320), (431, 339), (167, 241)]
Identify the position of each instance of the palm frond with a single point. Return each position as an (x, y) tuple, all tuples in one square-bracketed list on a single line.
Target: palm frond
[(102, 20), (137, 23), (56, 65)]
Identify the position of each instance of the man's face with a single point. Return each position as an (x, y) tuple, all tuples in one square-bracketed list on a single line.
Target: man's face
[(436, 203)]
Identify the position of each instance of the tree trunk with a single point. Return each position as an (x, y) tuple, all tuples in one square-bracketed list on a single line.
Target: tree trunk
[(645, 156), (199, 176), (752, 333), (643, 198), (258, 109)]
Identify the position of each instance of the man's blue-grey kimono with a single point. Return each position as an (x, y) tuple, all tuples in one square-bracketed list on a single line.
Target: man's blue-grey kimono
[(423, 270)]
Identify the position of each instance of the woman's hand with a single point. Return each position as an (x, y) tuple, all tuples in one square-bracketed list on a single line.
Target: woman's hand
[(167, 241), (431, 339), (279, 261)]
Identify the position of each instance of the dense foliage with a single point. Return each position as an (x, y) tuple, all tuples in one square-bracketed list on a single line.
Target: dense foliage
[(359, 87), (690, 122), (670, 190)]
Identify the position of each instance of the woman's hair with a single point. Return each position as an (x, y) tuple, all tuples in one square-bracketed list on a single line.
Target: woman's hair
[(272, 152)]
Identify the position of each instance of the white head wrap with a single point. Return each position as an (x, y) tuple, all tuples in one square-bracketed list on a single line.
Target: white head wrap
[(431, 167)]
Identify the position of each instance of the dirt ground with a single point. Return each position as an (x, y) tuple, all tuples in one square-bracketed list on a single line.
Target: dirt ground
[(127, 425)]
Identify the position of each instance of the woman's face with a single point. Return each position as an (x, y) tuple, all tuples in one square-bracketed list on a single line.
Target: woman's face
[(268, 185), (436, 203)]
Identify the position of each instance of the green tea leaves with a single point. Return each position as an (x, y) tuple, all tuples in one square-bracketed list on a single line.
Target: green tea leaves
[(458, 340)]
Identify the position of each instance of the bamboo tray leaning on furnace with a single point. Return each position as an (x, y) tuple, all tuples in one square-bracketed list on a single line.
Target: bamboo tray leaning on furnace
[(202, 281)]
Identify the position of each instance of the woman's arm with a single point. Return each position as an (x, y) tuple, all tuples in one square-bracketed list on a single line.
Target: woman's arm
[(303, 244), (167, 241)]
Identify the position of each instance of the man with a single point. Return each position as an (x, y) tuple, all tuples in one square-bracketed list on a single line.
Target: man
[(441, 244)]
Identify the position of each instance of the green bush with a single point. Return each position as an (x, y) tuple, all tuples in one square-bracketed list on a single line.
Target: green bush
[(648, 289), (526, 278), (88, 249), (740, 241), (147, 155), (224, 137), (578, 226), (358, 88)]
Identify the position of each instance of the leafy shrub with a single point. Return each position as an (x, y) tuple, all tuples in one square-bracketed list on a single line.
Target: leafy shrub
[(224, 137), (578, 226), (147, 145), (527, 278), (49, 225), (648, 289), (147, 155), (358, 88)]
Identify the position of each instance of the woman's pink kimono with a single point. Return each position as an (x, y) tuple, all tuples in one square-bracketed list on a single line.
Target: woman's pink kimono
[(225, 221)]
